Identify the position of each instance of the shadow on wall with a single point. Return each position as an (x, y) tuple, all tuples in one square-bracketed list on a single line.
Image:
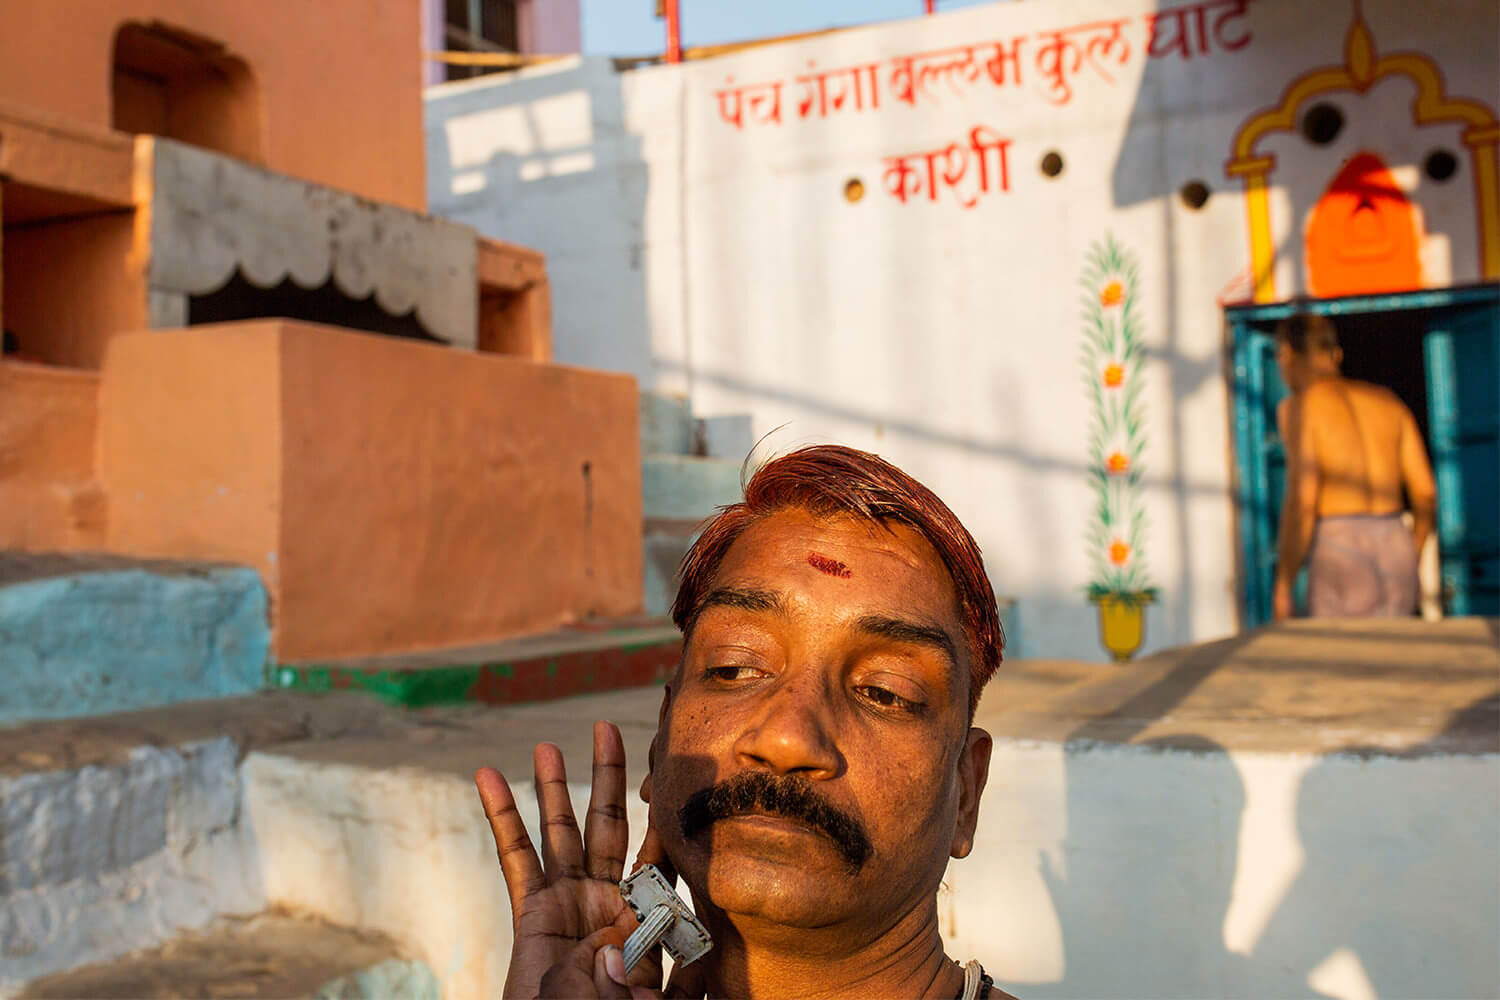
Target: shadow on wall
[(551, 165), (1396, 895), (1403, 906)]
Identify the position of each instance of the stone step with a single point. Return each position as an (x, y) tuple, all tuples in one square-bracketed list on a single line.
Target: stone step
[(276, 955), (599, 655), (680, 487), (82, 634), (666, 424)]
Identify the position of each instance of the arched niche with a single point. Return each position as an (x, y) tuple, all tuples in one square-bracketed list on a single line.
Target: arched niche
[(169, 82)]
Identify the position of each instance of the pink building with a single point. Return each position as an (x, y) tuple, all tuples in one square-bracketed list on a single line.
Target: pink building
[(527, 27)]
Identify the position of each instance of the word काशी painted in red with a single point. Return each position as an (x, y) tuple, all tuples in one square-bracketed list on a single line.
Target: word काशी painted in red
[(951, 167), (1056, 55), (832, 567)]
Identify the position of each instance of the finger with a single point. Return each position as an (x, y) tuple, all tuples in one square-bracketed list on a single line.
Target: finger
[(609, 972), (573, 975), (606, 833), (518, 860), (654, 852), (648, 969), (562, 846)]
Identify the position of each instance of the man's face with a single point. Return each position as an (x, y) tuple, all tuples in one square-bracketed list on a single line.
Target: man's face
[(814, 763)]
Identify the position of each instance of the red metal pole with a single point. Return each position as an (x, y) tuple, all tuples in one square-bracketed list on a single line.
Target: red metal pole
[(674, 31), (931, 5)]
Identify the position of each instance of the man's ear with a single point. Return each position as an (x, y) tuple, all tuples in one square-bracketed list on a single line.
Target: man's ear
[(661, 728), (973, 772)]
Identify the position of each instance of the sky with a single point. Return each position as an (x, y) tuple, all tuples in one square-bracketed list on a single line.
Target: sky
[(631, 28)]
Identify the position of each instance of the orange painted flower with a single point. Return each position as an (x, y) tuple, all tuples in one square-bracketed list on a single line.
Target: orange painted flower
[(1112, 295), (1118, 552), (1114, 374), (1117, 464)]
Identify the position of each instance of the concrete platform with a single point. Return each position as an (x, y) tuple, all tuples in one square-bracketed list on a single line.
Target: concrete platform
[(1307, 686), (1307, 809), (1303, 687), (274, 956)]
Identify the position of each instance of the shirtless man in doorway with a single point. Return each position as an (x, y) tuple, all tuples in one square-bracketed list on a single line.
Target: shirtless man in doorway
[(1351, 447)]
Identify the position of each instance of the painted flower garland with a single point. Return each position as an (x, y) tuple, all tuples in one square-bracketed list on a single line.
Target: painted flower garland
[(1113, 358)]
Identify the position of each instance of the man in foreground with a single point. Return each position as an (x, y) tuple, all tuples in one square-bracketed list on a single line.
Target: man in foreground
[(1350, 449), (814, 766)]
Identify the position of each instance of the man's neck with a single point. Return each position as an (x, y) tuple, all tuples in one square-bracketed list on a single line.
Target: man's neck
[(753, 959)]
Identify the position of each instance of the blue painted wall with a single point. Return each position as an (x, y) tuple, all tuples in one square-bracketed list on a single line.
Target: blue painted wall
[(111, 641)]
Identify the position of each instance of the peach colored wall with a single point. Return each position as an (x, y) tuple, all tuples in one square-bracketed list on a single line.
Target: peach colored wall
[(435, 497), (71, 284), (48, 497), (340, 80), (52, 165), (394, 495), (190, 444), (551, 27)]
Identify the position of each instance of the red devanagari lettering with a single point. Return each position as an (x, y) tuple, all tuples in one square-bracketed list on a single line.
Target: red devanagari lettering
[(964, 169), (995, 64), (1061, 57), (734, 117), (1235, 9)]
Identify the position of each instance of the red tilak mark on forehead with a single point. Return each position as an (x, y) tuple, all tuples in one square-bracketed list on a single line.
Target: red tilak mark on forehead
[(832, 567)]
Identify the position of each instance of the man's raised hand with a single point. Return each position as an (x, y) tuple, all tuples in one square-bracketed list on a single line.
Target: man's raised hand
[(566, 910)]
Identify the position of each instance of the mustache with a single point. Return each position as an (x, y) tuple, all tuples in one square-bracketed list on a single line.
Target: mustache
[(789, 796)]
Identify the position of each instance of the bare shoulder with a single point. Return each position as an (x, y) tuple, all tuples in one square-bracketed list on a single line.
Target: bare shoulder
[(1377, 399), (1322, 396), (1369, 390)]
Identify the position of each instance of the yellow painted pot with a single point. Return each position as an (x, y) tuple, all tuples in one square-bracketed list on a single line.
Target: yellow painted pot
[(1122, 623)]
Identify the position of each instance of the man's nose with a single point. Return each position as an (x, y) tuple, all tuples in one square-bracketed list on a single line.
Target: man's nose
[(795, 731)]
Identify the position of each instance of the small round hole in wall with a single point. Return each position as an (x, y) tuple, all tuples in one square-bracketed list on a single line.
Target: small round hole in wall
[(1194, 194), (854, 189), (1440, 165), (1322, 124), (1052, 164)]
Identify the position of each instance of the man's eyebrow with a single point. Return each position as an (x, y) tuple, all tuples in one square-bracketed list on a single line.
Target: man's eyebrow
[(744, 599), (916, 633)]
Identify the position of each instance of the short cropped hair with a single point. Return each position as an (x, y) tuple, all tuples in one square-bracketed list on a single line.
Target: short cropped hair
[(830, 481), (1307, 334)]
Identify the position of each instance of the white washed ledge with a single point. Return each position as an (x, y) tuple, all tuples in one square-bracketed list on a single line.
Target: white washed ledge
[(212, 215)]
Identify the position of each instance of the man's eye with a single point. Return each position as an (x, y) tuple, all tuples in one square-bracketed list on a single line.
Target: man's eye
[(886, 698), (734, 673)]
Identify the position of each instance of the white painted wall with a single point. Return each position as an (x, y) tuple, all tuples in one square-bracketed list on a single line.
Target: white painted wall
[(726, 264), (103, 860), (1099, 871)]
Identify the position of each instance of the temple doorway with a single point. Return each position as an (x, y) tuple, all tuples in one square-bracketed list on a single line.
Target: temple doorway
[(1437, 350)]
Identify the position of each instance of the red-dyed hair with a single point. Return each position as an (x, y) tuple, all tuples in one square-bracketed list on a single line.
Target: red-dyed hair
[(831, 480)]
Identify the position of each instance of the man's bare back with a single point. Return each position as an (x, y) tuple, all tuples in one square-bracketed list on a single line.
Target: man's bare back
[(1365, 445), (1354, 460)]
